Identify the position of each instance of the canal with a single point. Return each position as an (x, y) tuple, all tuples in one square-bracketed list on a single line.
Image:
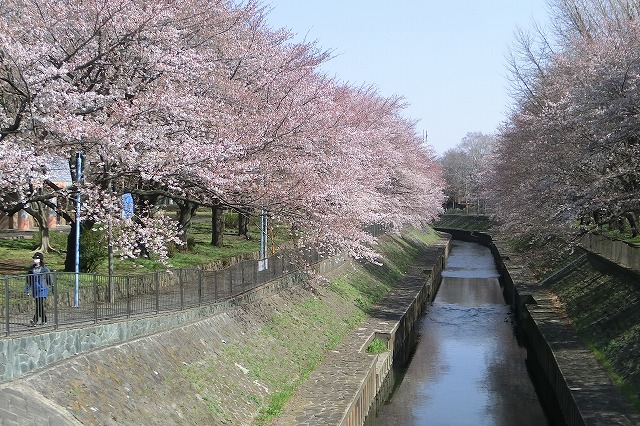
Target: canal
[(468, 367)]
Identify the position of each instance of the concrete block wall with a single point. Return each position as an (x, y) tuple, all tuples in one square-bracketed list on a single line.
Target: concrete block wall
[(546, 365), (616, 251)]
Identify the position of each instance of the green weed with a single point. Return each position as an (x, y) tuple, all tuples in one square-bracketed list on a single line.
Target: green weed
[(377, 346)]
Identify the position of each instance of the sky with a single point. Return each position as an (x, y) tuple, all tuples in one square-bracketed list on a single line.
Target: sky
[(446, 58)]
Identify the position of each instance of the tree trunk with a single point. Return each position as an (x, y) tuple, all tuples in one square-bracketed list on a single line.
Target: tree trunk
[(38, 211), (70, 259), (217, 225), (45, 243), (633, 223), (187, 210), (243, 224)]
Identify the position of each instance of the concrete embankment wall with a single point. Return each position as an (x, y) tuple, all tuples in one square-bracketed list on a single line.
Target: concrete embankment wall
[(618, 252), (584, 391), (29, 352), (32, 351), (191, 367), (570, 379)]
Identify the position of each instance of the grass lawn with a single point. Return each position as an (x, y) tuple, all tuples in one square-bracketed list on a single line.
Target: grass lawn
[(16, 254)]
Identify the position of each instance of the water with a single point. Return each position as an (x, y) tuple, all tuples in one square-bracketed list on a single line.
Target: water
[(468, 368)]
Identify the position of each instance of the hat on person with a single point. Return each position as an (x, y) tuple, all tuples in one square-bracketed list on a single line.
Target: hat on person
[(38, 255)]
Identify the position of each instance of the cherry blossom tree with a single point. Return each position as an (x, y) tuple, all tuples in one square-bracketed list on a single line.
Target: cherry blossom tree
[(111, 79), (464, 168), (199, 102), (566, 157)]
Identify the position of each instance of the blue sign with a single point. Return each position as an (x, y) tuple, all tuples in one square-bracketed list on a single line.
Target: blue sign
[(127, 201)]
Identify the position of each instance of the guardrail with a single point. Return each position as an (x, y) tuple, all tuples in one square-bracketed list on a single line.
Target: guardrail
[(103, 297)]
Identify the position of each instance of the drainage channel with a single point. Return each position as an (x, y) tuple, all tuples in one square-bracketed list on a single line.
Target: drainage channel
[(469, 367)]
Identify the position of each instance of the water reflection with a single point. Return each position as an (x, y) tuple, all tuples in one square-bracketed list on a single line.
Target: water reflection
[(468, 368)]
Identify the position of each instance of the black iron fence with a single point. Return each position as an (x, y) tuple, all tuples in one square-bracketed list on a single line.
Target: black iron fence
[(91, 298)]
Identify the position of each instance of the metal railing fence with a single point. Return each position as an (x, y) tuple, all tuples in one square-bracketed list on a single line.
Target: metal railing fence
[(103, 297)]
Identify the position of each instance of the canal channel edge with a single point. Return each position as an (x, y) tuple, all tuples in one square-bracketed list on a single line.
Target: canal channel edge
[(579, 385)]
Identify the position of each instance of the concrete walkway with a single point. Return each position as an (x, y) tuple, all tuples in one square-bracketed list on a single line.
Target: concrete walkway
[(597, 398)]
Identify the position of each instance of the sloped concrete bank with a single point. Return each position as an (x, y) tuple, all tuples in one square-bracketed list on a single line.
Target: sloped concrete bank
[(567, 373), (138, 371)]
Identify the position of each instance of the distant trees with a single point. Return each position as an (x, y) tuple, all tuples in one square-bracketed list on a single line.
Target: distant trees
[(464, 170), (199, 102), (567, 158)]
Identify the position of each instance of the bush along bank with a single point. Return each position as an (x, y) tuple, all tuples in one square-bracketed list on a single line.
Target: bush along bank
[(238, 367)]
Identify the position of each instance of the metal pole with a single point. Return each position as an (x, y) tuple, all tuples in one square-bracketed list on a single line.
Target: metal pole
[(110, 293), (215, 285), (157, 282), (199, 287), (264, 262), (95, 298), (262, 241), (77, 227), (128, 282), (6, 304), (255, 275), (54, 278), (181, 284)]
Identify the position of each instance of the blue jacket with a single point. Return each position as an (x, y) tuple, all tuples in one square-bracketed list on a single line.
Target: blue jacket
[(38, 281)]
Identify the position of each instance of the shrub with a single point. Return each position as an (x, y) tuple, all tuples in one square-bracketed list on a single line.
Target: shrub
[(93, 250)]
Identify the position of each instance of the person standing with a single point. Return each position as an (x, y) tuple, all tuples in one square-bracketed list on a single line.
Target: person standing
[(38, 284)]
